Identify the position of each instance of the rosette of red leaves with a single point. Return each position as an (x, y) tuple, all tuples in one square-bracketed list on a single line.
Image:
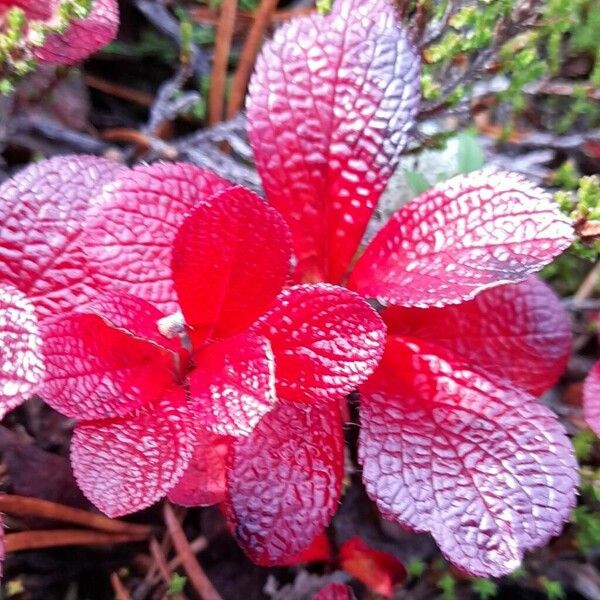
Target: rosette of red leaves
[(83, 36), (256, 358), (452, 439)]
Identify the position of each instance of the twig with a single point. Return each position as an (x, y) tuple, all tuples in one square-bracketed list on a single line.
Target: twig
[(248, 56), (120, 592), (160, 560), (219, 72), (32, 540), (192, 567), (197, 545), (118, 91), (588, 285), (24, 505)]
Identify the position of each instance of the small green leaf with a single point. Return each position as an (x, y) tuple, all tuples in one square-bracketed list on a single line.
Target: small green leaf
[(177, 583), (416, 181), (470, 153), (447, 584), (415, 568), (553, 589), (485, 588)]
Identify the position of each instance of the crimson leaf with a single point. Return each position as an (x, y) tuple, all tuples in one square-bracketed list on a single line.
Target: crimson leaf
[(463, 236), (591, 398), (482, 466), (520, 332), (284, 481), (41, 214), (240, 247), (95, 371), (125, 464), (335, 591), (330, 106), (326, 341), (233, 384), (203, 483), (130, 229), (20, 349)]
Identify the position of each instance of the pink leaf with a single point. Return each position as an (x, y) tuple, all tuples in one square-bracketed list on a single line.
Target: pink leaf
[(379, 571), (130, 230), (335, 591), (326, 341), (520, 332), (233, 384), (330, 106), (135, 315), (463, 236), (203, 483), (482, 466), (20, 351), (284, 481), (41, 211), (126, 464), (94, 371), (231, 258), (591, 398), (83, 36)]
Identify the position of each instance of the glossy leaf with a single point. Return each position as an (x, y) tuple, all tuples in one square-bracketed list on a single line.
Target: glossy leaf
[(318, 551), (284, 481), (482, 466), (335, 591), (130, 229), (83, 36), (330, 106), (463, 236), (94, 371), (126, 464), (326, 341), (379, 571), (203, 483), (20, 349), (591, 399), (41, 211), (233, 385), (231, 258), (136, 316), (520, 332)]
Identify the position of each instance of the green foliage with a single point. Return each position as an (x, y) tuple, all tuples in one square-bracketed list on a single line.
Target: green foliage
[(417, 182), (415, 568), (484, 588), (587, 528), (553, 589), (470, 154), (447, 584), (19, 37), (177, 584), (150, 45), (583, 444)]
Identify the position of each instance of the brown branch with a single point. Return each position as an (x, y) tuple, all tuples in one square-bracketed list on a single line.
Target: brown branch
[(224, 34), (196, 574), (248, 56), (26, 506), (118, 91), (120, 592), (33, 540)]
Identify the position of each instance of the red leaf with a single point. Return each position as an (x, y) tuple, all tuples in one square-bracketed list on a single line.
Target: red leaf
[(335, 591), (94, 371), (83, 36), (318, 551), (284, 481), (463, 236), (326, 341), (20, 351), (330, 106), (379, 571), (126, 464), (231, 258), (135, 315), (233, 385), (520, 332), (591, 399), (41, 210), (482, 466), (130, 230), (203, 483)]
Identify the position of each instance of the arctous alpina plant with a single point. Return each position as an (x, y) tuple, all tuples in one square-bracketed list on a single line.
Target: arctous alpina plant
[(205, 340)]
